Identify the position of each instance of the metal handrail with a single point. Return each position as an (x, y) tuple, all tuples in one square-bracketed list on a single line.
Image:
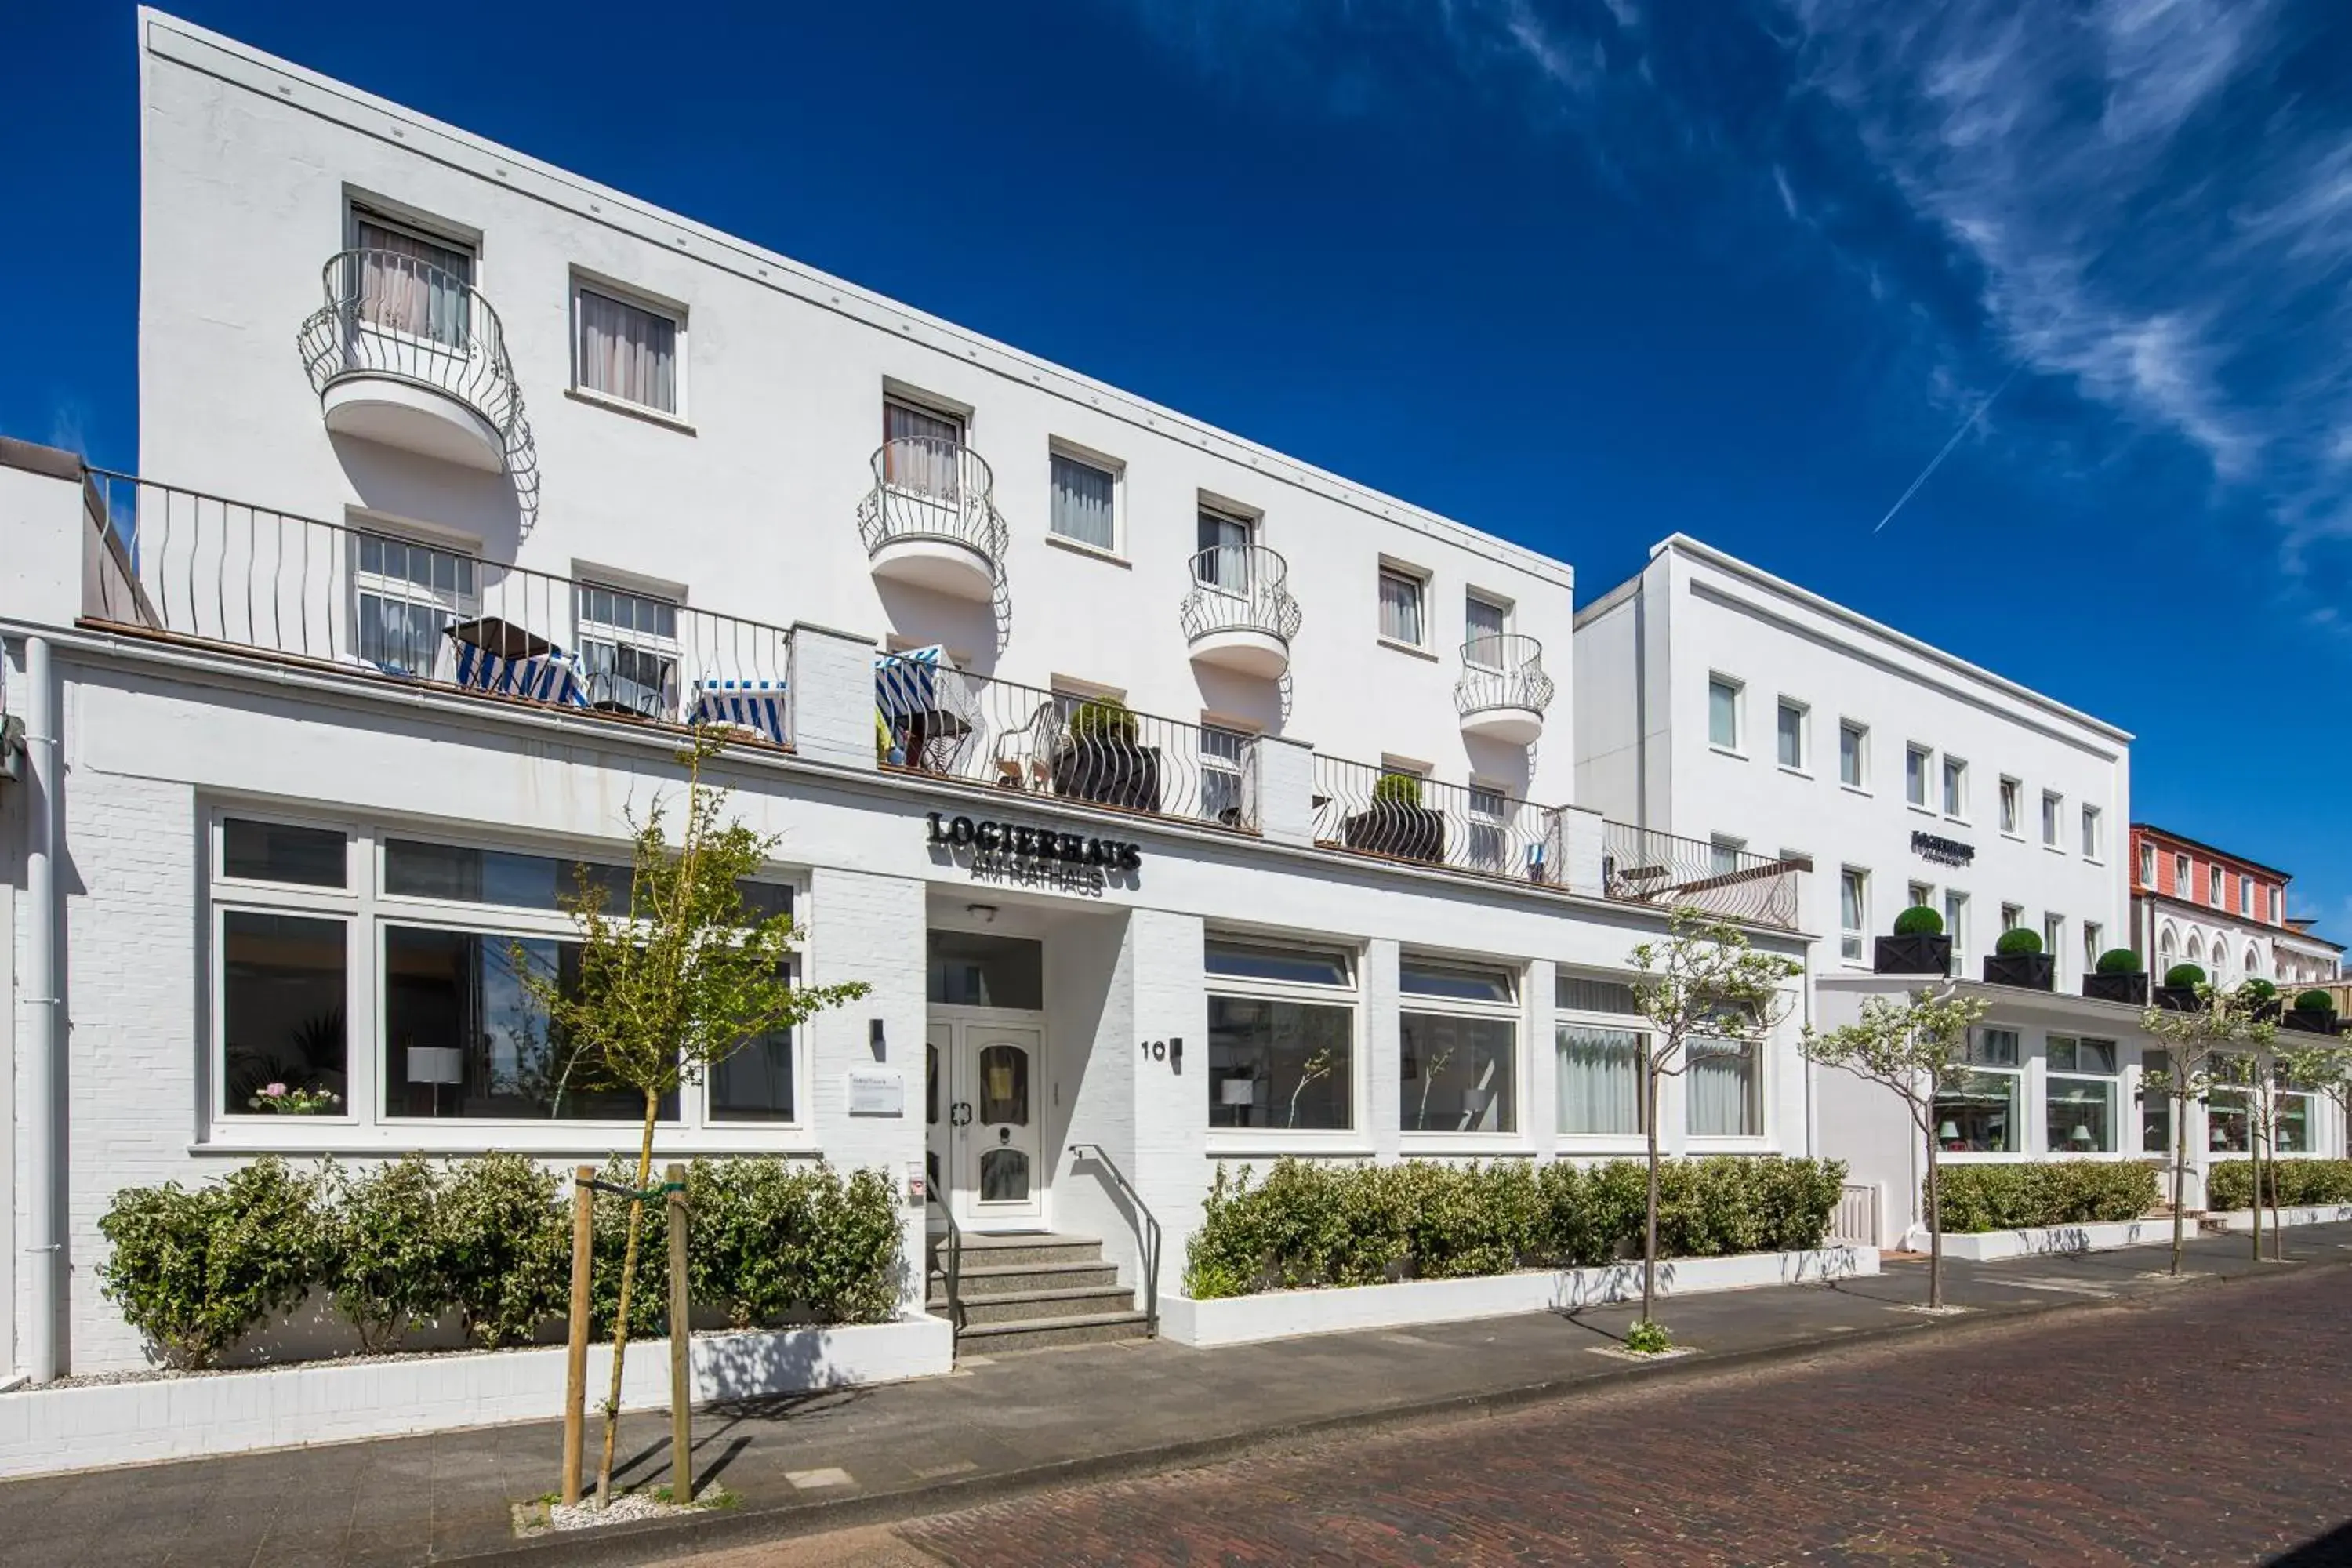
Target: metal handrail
[(1152, 1233), (1240, 587), (391, 314), (1501, 670), (955, 1261), (927, 487)]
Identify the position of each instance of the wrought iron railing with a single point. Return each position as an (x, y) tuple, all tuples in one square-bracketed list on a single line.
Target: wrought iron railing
[(939, 720), (1240, 587), (927, 486), (1640, 866), (394, 315), (1501, 670), (1148, 1235), (246, 578), (1402, 816)]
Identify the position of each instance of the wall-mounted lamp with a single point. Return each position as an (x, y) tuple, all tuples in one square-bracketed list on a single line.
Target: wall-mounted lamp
[(984, 913), (1175, 1053), (874, 1038)]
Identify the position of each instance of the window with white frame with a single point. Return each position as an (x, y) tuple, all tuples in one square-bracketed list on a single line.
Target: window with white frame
[(2292, 1117), (922, 450), (2013, 806), (1600, 1040), (2051, 804), (2182, 886), (1722, 702), (2228, 1128), (2053, 938), (1853, 912), (2148, 866), (1853, 754), (2094, 934), (1723, 852), (412, 282), (1485, 623), (1920, 896), (1225, 539), (2093, 836), (2155, 1102), (1082, 507), (407, 595), (628, 648), (1402, 592), (626, 349), (1222, 754), (2278, 906), (2081, 1096), (2213, 886), (2012, 917), (2245, 894), (1282, 1031), (1490, 828), (1956, 787), (1917, 762), (1722, 1088), (1980, 1114), (1791, 722), (1458, 1035), (1955, 926)]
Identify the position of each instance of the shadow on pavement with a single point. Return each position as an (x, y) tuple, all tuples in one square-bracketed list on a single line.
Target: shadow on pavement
[(2333, 1550)]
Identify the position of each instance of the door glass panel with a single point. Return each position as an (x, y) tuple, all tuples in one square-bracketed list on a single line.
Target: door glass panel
[(970, 969), (930, 1086), (1005, 1088), (1004, 1176)]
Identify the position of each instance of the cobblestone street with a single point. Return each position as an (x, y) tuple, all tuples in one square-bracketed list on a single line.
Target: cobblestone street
[(2209, 1426)]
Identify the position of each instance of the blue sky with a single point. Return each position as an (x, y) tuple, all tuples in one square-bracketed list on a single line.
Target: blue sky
[(1580, 272)]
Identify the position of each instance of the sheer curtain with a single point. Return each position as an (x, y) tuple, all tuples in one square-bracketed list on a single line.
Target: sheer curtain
[(1599, 1080), (412, 285), (1082, 502), (1722, 1081), (919, 451), (1400, 608), (628, 352)]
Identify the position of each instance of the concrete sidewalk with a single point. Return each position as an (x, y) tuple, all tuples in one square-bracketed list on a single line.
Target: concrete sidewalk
[(1049, 1417)]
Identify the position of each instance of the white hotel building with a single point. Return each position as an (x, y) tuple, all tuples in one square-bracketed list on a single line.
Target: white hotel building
[(465, 484)]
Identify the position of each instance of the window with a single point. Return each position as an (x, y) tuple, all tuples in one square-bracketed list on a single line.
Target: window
[(2054, 937), (2155, 1102), (1955, 926), (922, 451), (2227, 1128), (2092, 849), (1490, 833), (2012, 797), (1222, 775), (408, 595), (628, 647), (2148, 866), (1853, 754), (1916, 761), (1723, 852), (1723, 712), (1401, 594), (1459, 1051), (1281, 1027), (1224, 542), (1853, 913), (2182, 886), (1956, 787), (2012, 916), (412, 284), (1721, 1089), (1599, 1042), (978, 969), (2213, 886), (1083, 504), (2293, 1119), (1485, 623), (457, 873), (2245, 895), (2278, 902), (2051, 804), (283, 989), (1978, 1115), (2094, 936), (2081, 1096), (1919, 896), (1791, 725), (627, 350), (280, 852)]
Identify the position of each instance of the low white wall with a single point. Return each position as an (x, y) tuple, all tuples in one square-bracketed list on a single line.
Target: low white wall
[(1983, 1246), (1282, 1314), (45, 1430), (2310, 1213)]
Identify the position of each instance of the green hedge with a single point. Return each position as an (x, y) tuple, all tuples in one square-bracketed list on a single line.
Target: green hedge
[(2043, 1192), (488, 1241), (2290, 1183), (1312, 1224)]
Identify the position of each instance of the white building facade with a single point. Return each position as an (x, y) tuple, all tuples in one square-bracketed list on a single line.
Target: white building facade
[(1180, 803)]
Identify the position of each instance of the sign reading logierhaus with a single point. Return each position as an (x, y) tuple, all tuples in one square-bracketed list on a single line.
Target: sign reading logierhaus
[(1033, 856), (1941, 850)]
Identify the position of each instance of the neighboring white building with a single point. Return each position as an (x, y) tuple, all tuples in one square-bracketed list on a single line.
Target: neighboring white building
[(467, 483)]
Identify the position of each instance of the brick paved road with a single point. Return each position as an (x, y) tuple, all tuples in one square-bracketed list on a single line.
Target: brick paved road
[(2210, 1427)]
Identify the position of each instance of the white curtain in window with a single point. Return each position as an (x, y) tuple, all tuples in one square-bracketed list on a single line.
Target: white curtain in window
[(1400, 608), (628, 352), (411, 285), (1082, 502), (1484, 622), (1721, 1080), (1599, 1080)]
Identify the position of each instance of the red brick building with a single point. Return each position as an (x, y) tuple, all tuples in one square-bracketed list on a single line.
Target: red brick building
[(2194, 903)]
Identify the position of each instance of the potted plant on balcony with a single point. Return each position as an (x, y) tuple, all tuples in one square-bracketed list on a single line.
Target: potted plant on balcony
[(2313, 1012), (2178, 991), (2117, 977), (2263, 999), (1397, 823), (1917, 947), (1099, 758), (2018, 960)]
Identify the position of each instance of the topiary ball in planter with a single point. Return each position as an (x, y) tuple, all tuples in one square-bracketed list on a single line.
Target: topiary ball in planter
[(2178, 991), (1917, 947), (2018, 960), (1918, 920), (2314, 1012), (2184, 976), (2119, 961), (2314, 1002), (2018, 942)]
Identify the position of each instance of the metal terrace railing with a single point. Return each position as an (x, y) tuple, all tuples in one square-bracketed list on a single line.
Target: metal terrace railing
[(929, 487), (391, 314), (1368, 810), (1240, 588), (246, 578), (1640, 866), (1501, 670)]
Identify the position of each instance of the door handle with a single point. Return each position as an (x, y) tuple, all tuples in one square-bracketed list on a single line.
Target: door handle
[(960, 1113)]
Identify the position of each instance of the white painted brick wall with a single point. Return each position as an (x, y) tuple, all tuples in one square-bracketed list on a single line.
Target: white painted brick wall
[(832, 696), (1286, 790)]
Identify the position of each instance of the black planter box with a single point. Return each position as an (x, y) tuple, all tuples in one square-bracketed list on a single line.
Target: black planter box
[(2032, 970), (2309, 1023), (1912, 955), (2130, 988), (2267, 1012), (1392, 827), (2178, 998), (1109, 772)]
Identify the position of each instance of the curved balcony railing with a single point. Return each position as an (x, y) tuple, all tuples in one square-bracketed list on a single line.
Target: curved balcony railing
[(390, 314), (1501, 670), (1240, 588), (928, 487)]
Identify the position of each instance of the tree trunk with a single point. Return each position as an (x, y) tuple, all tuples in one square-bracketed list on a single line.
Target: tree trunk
[(2180, 1173), (621, 1325), (1935, 1227), (2254, 1158), (1650, 1215)]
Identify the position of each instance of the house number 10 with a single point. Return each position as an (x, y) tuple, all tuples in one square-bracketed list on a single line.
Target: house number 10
[(1170, 1050)]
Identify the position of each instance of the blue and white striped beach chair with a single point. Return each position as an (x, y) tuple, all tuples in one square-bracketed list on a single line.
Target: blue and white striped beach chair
[(756, 705), (552, 677), (926, 707)]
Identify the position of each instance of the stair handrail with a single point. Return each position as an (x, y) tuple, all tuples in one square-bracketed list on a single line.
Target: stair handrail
[(955, 1262), (1150, 1232)]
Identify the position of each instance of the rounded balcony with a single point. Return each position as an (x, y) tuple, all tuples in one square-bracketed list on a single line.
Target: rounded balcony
[(1503, 691), (409, 355), (930, 519), (1239, 614)]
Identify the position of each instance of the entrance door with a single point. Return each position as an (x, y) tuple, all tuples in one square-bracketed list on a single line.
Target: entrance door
[(993, 1121)]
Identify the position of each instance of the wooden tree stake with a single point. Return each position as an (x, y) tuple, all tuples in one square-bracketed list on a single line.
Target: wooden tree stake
[(575, 1369), (681, 1356)]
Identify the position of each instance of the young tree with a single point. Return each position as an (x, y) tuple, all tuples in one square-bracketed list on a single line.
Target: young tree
[(1915, 1050), (1703, 984), (2221, 1023), (2262, 1079), (672, 987)]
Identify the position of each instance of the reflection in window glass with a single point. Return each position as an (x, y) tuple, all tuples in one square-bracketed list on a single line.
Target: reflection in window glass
[(1298, 965), (282, 993), (1423, 977), (1720, 1082), (1590, 993), (1004, 1087), (755, 1084), (1458, 1073), (2082, 1118), (2155, 1103), (280, 852), (971, 969), (1280, 1065), (464, 875), (1004, 1176), (1978, 1115), (1600, 1078)]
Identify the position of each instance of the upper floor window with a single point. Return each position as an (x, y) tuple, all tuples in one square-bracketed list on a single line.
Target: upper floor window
[(1400, 606), (1791, 725), (2182, 886), (1853, 912), (2013, 806), (921, 449), (2052, 802), (2278, 906), (1916, 761), (2148, 866), (1485, 623), (1956, 787), (2093, 844), (1955, 926), (407, 595), (1224, 539), (628, 647), (1723, 695), (1083, 509), (2054, 936), (412, 283), (2012, 917), (1853, 753), (2245, 895), (627, 350), (2213, 886)]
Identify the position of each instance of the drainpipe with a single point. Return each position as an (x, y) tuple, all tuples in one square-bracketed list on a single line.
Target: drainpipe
[(45, 1039)]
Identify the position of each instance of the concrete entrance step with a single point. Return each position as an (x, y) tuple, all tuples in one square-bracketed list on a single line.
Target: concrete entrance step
[(1042, 1333), (1036, 1306), (984, 1251), (997, 1279)]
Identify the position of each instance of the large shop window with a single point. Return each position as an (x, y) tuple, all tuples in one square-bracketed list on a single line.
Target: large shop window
[(1282, 1026), (282, 995), (1460, 1047), (1600, 1044), (1979, 1115), (2155, 1102), (2082, 1096)]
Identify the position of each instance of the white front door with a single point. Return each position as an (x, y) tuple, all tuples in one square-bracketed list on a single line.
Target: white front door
[(993, 1121)]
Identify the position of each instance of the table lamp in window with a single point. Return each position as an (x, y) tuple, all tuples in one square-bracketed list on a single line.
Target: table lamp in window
[(2081, 1137)]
